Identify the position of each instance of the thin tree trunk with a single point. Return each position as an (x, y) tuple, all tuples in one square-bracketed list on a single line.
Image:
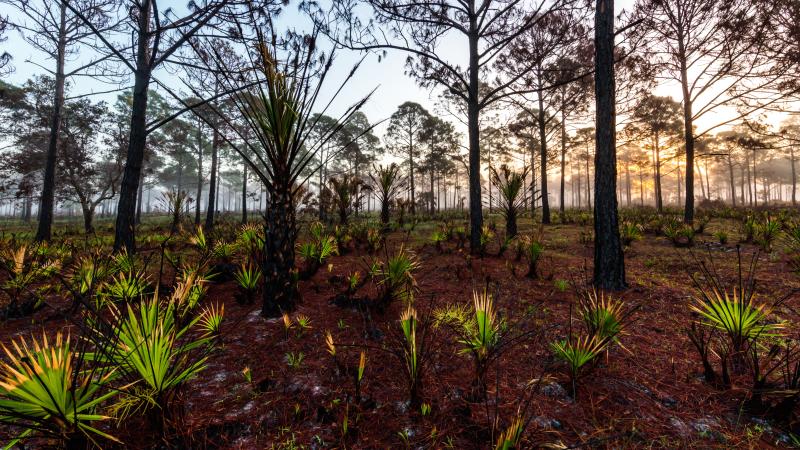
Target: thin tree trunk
[(244, 193), (688, 132), (473, 125), (212, 183), (543, 162), (199, 174), (733, 185), (609, 263), (125, 224), (794, 177), (47, 200), (564, 160)]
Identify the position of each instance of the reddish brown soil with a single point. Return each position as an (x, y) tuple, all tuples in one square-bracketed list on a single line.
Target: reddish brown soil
[(650, 394)]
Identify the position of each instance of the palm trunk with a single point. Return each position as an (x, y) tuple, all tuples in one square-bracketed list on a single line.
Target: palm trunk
[(280, 233)]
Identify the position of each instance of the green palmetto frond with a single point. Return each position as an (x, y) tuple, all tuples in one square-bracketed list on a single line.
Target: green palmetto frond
[(408, 324), (211, 318), (248, 276), (578, 352), (43, 389), (149, 348), (483, 330), (603, 316), (737, 315)]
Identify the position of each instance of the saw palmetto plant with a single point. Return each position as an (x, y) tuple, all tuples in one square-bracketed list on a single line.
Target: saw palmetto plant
[(604, 316), (23, 271), (248, 276), (279, 101), (395, 275), (47, 390), (152, 352), (510, 185)]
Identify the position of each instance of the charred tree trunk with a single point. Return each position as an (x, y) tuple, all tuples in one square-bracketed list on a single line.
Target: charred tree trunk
[(199, 192), (563, 161), (688, 133), (212, 184), (125, 235), (609, 263), (473, 116), (47, 201), (280, 233), (244, 193), (543, 162)]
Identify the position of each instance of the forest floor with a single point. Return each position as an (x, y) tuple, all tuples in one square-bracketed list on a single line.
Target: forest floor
[(647, 392)]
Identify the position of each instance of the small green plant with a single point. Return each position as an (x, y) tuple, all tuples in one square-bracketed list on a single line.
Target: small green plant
[(511, 437), (247, 374), (294, 360), (303, 324), (211, 319), (487, 234), (561, 285), (248, 278), (767, 232), (578, 352), (722, 237), (395, 276), (126, 287), (630, 232), (425, 409), (533, 249), (437, 238), (359, 378)]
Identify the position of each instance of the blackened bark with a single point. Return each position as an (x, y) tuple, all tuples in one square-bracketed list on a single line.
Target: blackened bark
[(543, 163), (473, 116), (212, 183), (280, 233), (199, 193), (563, 160), (47, 201), (244, 193), (688, 132), (126, 210), (609, 263)]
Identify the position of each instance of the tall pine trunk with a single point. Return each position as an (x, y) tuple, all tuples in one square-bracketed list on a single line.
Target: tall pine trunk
[(212, 183), (47, 201), (125, 235), (543, 162), (199, 193), (609, 263), (473, 116)]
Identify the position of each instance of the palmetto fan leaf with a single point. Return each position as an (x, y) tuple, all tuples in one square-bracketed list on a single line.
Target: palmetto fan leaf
[(737, 315), (44, 390)]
